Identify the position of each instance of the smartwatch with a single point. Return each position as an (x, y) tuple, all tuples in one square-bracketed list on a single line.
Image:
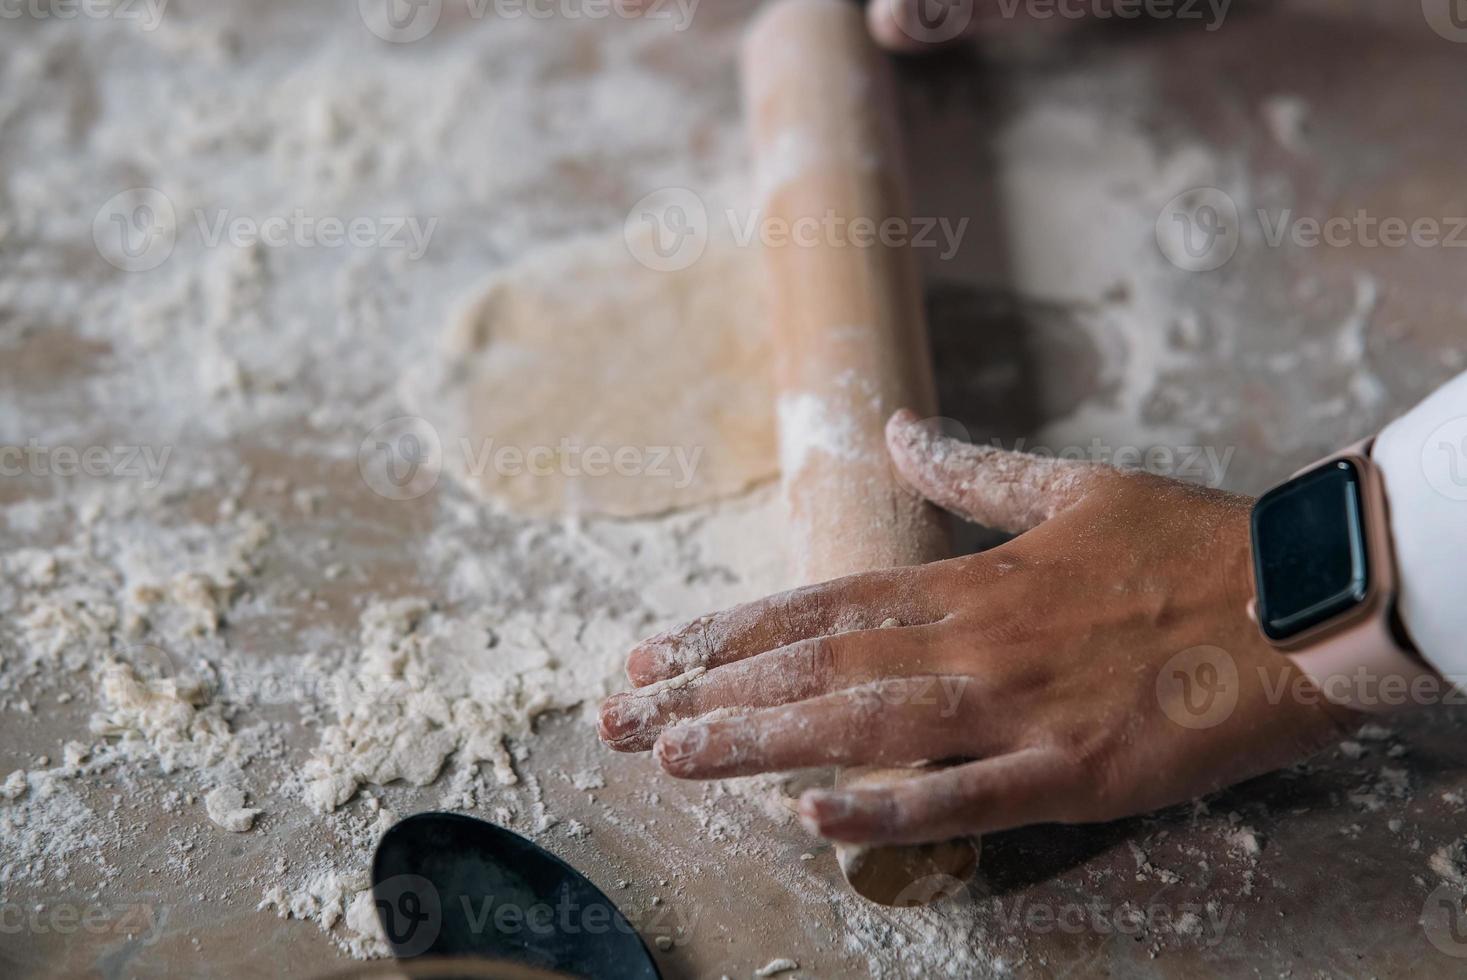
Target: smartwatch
[(1325, 583)]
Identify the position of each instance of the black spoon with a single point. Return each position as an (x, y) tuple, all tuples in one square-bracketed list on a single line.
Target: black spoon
[(447, 885)]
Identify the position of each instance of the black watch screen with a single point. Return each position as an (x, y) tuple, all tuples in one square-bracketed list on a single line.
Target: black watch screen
[(1309, 556)]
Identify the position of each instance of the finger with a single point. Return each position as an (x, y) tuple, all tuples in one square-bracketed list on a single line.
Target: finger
[(921, 25), (891, 722), (981, 797), (990, 486), (630, 722), (856, 602)]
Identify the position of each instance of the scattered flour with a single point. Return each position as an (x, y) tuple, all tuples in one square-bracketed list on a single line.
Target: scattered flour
[(426, 687), (329, 898), (1449, 862), (168, 718), (226, 807)]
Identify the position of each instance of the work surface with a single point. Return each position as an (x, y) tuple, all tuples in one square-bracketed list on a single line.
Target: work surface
[(228, 528)]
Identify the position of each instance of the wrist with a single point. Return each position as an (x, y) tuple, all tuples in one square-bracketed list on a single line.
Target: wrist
[(1325, 584)]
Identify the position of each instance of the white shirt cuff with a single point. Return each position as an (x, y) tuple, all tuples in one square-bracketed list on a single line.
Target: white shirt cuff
[(1423, 458)]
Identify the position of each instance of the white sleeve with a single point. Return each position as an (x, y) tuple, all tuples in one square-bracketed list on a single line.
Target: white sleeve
[(1423, 457)]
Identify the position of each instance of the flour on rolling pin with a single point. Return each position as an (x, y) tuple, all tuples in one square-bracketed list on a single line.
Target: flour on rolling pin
[(809, 424), (848, 331)]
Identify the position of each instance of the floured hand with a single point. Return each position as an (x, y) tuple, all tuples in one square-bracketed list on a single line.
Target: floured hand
[(1100, 664)]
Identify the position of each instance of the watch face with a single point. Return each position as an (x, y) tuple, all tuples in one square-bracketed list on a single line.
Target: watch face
[(1309, 557)]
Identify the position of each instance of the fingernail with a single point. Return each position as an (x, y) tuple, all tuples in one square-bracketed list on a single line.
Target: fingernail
[(647, 662), (677, 748), (616, 721), (820, 808)]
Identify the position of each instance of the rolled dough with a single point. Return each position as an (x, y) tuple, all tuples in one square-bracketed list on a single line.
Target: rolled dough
[(580, 381)]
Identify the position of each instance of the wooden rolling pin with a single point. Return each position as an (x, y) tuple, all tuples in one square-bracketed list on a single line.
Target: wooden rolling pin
[(850, 338)]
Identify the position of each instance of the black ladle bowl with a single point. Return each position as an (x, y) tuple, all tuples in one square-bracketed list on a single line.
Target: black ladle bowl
[(447, 885)]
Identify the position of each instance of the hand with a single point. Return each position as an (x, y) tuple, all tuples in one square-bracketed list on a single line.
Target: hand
[(1100, 664)]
